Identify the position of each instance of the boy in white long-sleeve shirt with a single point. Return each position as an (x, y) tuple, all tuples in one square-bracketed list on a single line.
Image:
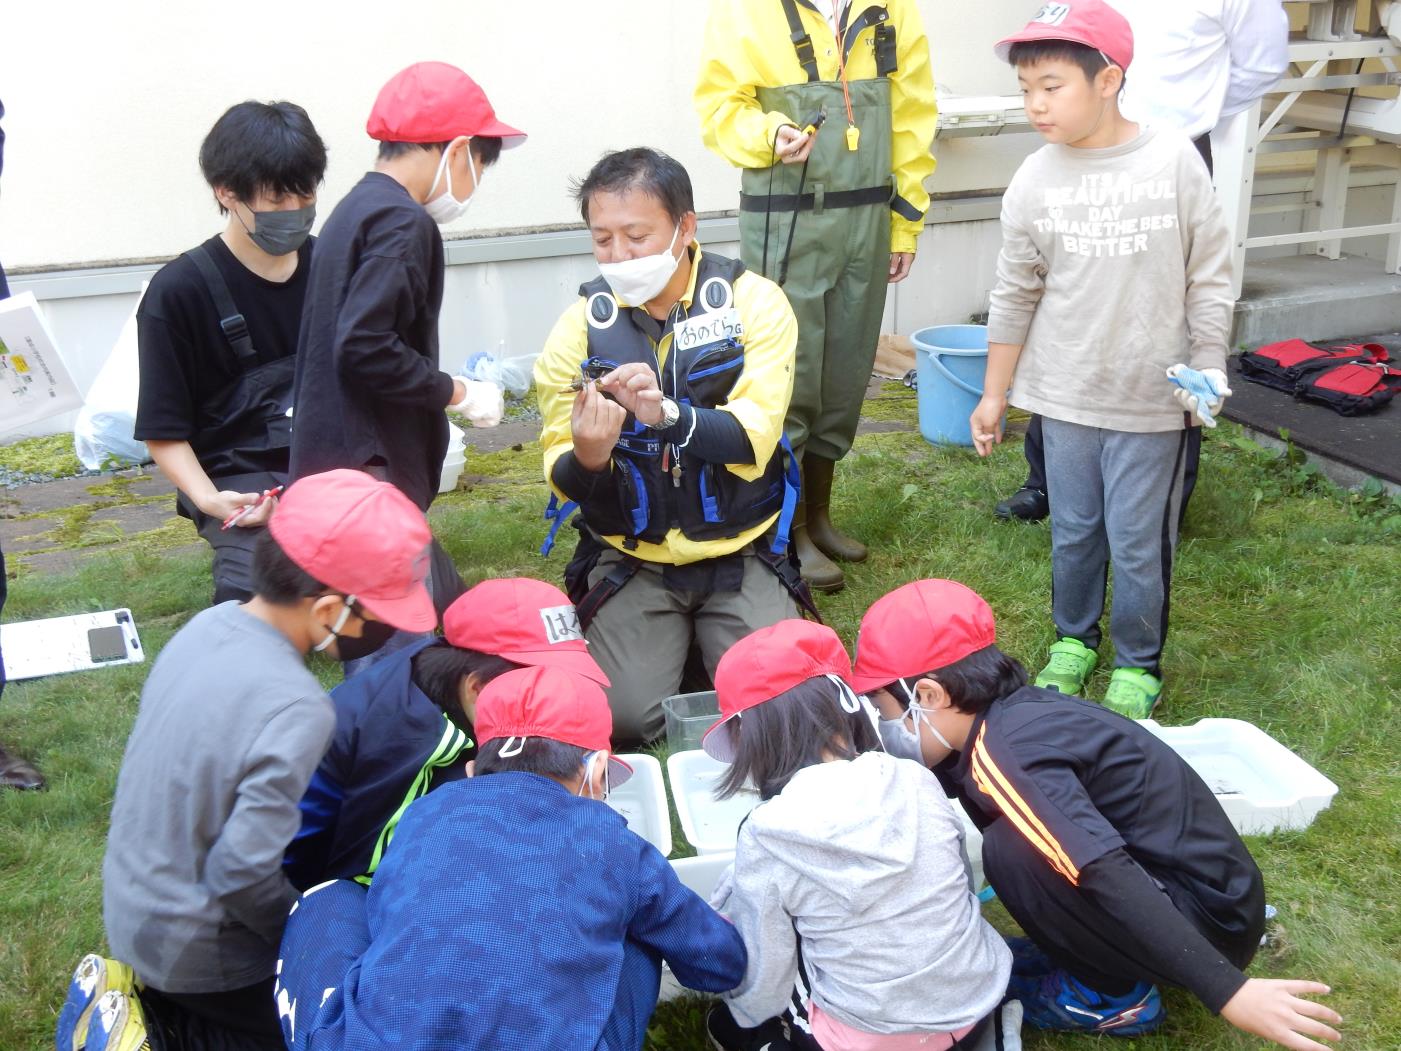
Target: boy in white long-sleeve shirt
[(1115, 266)]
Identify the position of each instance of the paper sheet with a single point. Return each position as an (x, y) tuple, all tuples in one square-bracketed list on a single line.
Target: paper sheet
[(34, 382)]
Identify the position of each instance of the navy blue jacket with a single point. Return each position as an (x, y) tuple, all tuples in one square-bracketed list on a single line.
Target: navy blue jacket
[(501, 917), (392, 744)]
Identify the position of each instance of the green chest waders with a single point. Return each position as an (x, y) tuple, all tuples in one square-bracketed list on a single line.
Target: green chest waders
[(838, 265)]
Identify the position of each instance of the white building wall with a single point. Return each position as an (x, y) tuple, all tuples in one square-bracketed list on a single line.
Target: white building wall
[(106, 103)]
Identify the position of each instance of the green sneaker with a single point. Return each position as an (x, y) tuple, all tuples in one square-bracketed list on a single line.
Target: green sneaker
[(1133, 693), (1070, 665)]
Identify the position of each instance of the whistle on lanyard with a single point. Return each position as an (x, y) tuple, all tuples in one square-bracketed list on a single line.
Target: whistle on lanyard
[(853, 137)]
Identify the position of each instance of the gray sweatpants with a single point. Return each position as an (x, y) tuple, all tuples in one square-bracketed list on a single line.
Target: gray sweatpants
[(1114, 500), (641, 636)]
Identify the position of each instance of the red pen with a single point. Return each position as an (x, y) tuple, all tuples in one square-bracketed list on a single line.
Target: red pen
[(266, 494)]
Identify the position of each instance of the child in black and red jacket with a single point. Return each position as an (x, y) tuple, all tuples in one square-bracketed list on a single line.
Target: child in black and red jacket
[(1102, 843)]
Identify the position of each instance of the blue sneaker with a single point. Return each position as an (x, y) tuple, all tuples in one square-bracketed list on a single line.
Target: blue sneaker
[(1057, 1001), (94, 976), (1028, 961)]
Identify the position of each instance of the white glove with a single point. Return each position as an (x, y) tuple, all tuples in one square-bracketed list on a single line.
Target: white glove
[(1192, 399), (483, 405)]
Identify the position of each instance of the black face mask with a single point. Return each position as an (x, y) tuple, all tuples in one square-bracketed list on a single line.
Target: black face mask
[(281, 232), (373, 635)]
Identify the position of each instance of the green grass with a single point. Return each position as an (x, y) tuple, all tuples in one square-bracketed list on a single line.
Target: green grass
[(1284, 612)]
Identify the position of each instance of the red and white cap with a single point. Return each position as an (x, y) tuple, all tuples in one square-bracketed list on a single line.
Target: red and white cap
[(1090, 22), (923, 626), (550, 703), (360, 537), (524, 620), (770, 662), (435, 102)]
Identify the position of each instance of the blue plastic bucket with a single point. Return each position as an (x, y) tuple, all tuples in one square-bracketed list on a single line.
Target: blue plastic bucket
[(949, 364)]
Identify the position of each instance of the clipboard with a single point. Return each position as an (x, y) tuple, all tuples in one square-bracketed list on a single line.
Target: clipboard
[(58, 645)]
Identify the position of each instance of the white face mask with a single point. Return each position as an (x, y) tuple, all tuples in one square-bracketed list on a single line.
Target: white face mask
[(447, 208), (921, 715), (636, 282)]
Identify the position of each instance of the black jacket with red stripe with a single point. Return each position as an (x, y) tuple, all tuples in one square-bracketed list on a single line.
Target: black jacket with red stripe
[(1080, 782)]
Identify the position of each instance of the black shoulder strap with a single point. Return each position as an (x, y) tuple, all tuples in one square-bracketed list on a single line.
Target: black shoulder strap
[(802, 42), (886, 62), (230, 320)]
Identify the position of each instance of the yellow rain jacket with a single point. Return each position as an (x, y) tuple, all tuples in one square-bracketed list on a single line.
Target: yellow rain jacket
[(748, 46)]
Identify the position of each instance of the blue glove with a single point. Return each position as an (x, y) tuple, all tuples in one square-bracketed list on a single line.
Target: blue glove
[(1202, 393)]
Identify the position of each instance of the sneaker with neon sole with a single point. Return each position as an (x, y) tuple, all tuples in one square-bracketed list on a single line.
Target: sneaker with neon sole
[(1069, 667), (1133, 693), (1058, 1001), (94, 976), (118, 1024)]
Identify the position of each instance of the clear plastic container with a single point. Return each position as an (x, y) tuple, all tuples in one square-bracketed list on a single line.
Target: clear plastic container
[(688, 716)]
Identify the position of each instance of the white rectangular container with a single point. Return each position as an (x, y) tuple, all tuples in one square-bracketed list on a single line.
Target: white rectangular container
[(701, 874), (711, 825), (1262, 786), (642, 801), (455, 460)]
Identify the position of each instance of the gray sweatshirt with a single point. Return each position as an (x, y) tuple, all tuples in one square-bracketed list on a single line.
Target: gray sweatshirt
[(231, 727), (863, 861), (1115, 264)]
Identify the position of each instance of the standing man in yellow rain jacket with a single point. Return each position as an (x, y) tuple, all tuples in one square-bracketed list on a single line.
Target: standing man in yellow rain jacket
[(828, 107)]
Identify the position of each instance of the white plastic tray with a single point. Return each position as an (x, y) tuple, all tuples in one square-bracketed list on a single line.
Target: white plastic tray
[(701, 874), (642, 801), (711, 825), (1262, 786)]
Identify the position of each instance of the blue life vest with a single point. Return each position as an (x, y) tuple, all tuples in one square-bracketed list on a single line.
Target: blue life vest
[(642, 500)]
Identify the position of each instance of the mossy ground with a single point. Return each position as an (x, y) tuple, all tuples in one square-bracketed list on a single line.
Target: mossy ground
[(50, 456)]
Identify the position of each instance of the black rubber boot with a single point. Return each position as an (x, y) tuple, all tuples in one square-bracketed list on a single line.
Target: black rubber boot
[(817, 492)]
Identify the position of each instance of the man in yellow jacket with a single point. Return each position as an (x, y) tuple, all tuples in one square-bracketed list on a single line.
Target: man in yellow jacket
[(828, 107), (663, 390)]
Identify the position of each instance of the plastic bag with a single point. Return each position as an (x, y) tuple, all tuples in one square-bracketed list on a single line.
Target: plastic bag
[(512, 374), (103, 431)]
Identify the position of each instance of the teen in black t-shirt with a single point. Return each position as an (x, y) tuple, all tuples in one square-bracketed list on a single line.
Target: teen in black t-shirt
[(186, 360), (1101, 841), (217, 333)]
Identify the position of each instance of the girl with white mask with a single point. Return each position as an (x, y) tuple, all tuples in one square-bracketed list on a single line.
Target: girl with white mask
[(849, 876)]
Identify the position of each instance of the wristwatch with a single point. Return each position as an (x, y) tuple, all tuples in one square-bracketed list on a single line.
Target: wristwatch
[(671, 412)]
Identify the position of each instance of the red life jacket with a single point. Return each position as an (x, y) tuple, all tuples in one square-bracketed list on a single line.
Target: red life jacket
[(1351, 380)]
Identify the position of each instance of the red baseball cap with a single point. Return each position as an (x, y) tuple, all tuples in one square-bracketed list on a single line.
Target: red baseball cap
[(767, 663), (550, 703), (524, 620), (920, 627), (435, 102), (360, 537), (1090, 22)]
